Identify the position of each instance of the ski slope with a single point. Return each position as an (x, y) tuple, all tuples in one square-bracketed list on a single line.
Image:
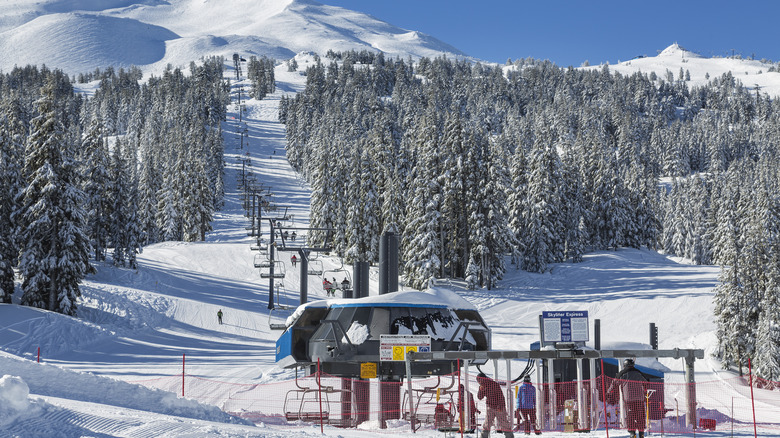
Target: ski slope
[(135, 325)]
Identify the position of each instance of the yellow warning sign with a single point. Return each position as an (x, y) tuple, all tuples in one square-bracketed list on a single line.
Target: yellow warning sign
[(395, 347), (368, 370)]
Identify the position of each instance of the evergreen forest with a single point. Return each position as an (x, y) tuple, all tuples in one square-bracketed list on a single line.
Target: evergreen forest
[(480, 169), (98, 177)]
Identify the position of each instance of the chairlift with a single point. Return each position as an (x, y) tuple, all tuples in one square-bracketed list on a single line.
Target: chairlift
[(261, 261), (315, 267), (435, 404), (258, 247), (339, 271), (283, 308), (319, 403), (278, 270)]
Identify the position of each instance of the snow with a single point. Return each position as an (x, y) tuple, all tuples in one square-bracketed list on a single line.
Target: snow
[(79, 36), (134, 326), (751, 73), (14, 401), (357, 333)]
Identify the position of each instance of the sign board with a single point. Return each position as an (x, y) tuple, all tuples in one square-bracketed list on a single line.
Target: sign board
[(394, 347), (565, 326), (368, 370)]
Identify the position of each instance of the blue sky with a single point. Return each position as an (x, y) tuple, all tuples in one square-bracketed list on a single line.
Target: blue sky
[(570, 32)]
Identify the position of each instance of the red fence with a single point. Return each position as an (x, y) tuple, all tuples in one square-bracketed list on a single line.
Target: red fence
[(434, 403)]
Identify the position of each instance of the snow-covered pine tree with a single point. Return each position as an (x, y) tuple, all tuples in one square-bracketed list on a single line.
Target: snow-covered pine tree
[(95, 180), (516, 202), (11, 163), (55, 246), (543, 207), (150, 178), (362, 230), (767, 352), (421, 255), (455, 189)]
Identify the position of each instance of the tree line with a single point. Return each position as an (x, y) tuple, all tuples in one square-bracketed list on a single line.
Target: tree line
[(477, 167), (98, 177)]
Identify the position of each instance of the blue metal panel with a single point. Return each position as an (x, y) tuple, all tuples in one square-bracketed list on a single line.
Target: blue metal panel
[(284, 345)]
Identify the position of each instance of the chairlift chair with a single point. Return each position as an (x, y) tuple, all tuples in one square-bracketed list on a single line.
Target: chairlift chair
[(283, 308), (278, 268), (318, 403), (432, 402), (315, 267), (261, 261)]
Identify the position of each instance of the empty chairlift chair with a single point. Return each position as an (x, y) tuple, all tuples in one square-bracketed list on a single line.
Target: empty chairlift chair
[(276, 266), (261, 261)]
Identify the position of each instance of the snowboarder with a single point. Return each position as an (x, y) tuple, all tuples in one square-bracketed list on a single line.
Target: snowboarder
[(526, 405), (491, 391), (219, 316), (294, 260), (345, 284), (632, 385), (293, 236)]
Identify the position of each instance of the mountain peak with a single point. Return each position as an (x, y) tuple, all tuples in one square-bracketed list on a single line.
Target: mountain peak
[(81, 35), (678, 51)]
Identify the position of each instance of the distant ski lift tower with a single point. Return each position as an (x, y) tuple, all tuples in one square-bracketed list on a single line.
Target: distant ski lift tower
[(237, 65)]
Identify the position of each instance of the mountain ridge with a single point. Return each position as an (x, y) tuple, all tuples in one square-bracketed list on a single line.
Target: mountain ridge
[(153, 34)]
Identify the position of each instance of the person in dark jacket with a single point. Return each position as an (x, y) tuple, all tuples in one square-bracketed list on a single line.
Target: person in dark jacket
[(526, 404), (491, 391), (471, 424), (632, 386)]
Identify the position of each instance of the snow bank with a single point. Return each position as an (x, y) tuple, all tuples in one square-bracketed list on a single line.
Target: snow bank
[(48, 380), (13, 398)]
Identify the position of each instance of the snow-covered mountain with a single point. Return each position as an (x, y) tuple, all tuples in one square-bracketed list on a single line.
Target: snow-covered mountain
[(753, 74), (81, 35)]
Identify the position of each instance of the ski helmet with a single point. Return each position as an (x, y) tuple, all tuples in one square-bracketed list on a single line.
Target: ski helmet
[(628, 363)]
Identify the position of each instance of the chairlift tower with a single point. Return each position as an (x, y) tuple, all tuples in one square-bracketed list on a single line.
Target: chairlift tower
[(302, 248)]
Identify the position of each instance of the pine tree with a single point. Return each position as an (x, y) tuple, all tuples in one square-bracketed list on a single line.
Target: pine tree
[(422, 253), (55, 252), (767, 355), (543, 208), (11, 150), (95, 185)]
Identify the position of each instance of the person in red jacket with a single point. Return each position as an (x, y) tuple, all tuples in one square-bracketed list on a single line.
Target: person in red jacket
[(632, 383), (491, 391)]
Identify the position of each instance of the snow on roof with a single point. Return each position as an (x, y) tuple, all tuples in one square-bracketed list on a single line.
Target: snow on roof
[(434, 297)]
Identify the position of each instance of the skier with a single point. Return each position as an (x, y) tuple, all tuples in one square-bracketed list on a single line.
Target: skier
[(632, 385), (328, 286), (294, 260), (526, 405), (219, 316), (491, 391)]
